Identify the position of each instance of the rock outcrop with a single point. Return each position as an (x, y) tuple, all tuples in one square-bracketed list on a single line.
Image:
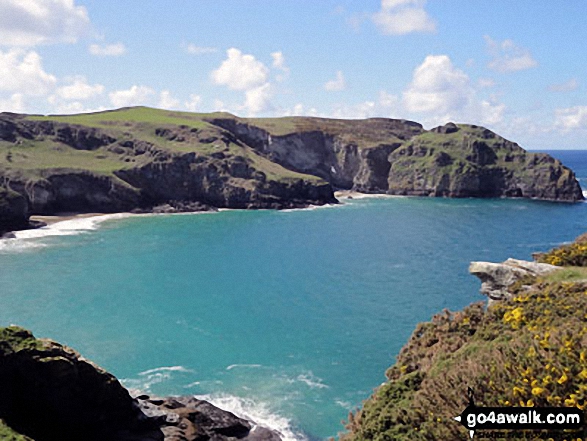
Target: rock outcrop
[(140, 158), (496, 278), (49, 392)]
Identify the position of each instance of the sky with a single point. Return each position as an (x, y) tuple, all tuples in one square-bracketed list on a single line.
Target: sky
[(516, 67)]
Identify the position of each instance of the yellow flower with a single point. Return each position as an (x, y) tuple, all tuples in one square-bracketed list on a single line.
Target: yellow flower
[(563, 379), (536, 391)]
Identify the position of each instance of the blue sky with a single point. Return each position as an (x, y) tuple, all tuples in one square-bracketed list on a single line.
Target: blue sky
[(516, 67)]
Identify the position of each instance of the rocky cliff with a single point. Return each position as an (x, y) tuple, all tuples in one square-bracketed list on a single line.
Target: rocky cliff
[(139, 158), (527, 349), (49, 392)]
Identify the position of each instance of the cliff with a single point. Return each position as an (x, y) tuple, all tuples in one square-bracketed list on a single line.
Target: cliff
[(526, 349), (49, 392), (140, 158)]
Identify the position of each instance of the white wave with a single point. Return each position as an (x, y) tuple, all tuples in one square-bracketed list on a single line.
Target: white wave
[(151, 377), (585, 193), (311, 381), (310, 208), (232, 366), (18, 246), (69, 227), (257, 412), (165, 369)]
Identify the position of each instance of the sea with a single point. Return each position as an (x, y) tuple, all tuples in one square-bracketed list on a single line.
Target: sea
[(289, 318)]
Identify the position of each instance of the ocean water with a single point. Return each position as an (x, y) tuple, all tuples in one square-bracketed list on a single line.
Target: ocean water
[(289, 318)]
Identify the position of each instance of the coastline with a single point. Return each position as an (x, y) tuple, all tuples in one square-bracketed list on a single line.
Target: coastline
[(53, 219)]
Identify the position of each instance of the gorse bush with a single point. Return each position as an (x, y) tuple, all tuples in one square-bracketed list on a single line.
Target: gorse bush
[(574, 254), (528, 351)]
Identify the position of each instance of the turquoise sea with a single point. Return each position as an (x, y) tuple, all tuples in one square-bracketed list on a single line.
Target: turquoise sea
[(290, 318)]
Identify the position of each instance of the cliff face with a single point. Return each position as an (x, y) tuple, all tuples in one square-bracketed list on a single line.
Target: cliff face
[(140, 158), (49, 392), (527, 349)]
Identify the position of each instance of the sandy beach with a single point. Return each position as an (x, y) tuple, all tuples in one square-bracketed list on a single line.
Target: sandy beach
[(50, 220)]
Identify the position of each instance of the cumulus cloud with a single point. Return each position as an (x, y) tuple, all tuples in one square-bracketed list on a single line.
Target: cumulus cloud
[(245, 73), (258, 99), (193, 103), (22, 72), (78, 89), (14, 103), (442, 92), (33, 22), (400, 17), (336, 84), (193, 49), (108, 50), (279, 61), (567, 86), (167, 101), (571, 118), (508, 57), (240, 71), (135, 96)]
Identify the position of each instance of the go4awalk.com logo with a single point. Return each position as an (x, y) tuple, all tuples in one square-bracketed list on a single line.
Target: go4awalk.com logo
[(519, 418)]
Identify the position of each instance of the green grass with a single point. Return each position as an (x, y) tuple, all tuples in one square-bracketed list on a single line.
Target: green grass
[(568, 274), (128, 116), (7, 434), (41, 155)]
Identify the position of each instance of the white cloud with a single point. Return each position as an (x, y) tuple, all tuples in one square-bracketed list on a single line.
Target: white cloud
[(108, 50), (32, 22), (571, 118), (508, 57), (258, 99), (166, 101), (135, 96), (400, 17), (442, 92), (14, 103), (337, 84), (72, 107), (22, 72), (567, 86), (240, 72), (219, 106), (485, 83), (79, 89), (194, 102), (199, 50), (279, 61)]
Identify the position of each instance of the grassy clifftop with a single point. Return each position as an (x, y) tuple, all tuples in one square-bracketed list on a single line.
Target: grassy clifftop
[(141, 158), (528, 351)]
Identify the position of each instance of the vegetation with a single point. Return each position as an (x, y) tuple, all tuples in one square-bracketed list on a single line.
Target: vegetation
[(574, 254), (7, 434), (529, 351)]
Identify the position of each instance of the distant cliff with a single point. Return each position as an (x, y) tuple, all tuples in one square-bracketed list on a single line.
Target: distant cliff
[(140, 158), (528, 348)]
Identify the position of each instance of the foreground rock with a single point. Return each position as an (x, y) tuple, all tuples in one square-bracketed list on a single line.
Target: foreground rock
[(49, 392), (497, 278), (141, 158)]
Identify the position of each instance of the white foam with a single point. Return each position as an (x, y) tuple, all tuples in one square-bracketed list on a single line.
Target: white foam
[(69, 227), (257, 412), (585, 193), (165, 369), (232, 366), (150, 377), (311, 381)]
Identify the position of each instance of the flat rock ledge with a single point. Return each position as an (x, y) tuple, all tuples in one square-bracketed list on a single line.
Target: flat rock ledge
[(496, 278)]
